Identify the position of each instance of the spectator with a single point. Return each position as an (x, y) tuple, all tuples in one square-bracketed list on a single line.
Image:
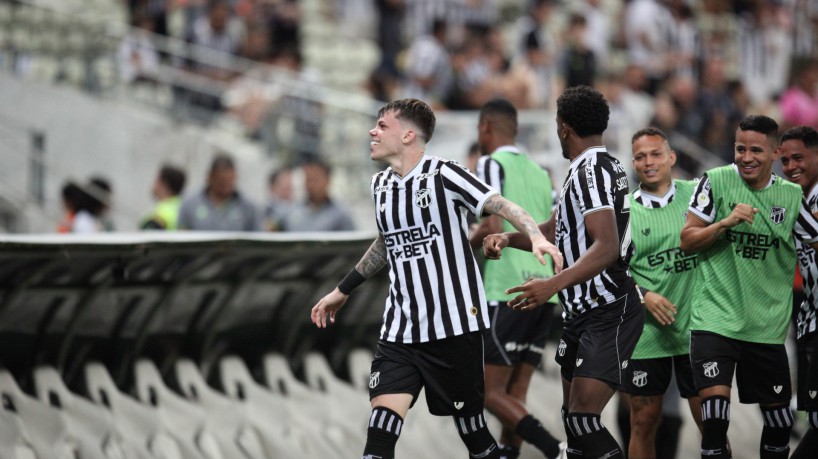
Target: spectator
[(71, 195), (646, 25), (219, 206), (280, 203), (85, 207), (167, 189), (598, 33), (319, 212), (218, 31), (137, 57), (765, 51), (390, 26), (799, 103), (537, 49), (100, 190), (578, 62), (428, 67)]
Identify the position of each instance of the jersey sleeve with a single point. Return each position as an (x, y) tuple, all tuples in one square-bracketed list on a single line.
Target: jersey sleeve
[(491, 172), (806, 226), (465, 187), (594, 184), (701, 203)]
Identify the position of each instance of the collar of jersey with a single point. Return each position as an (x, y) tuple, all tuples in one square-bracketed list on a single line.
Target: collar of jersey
[(588, 152), (401, 181), (509, 148), (769, 184), (662, 200)]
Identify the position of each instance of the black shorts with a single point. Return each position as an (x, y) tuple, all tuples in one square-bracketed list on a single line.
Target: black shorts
[(450, 369), (598, 344), (763, 370), (517, 336), (648, 377), (808, 373)]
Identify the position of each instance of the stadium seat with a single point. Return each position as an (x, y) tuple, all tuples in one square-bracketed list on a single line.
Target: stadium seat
[(137, 422), (12, 438), (237, 438), (90, 425), (285, 429), (321, 378), (185, 421), (41, 424)]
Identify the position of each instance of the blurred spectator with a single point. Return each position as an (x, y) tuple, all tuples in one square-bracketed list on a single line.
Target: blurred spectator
[(537, 49), (219, 31), (85, 207), (219, 206), (71, 195), (167, 190), (428, 69), (683, 39), (283, 21), (319, 212), (646, 25), (280, 198), (155, 9), (720, 111), (598, 32), (390, 28), (137, 56), (765, 49), (805, 28), (799, 103), (578, 62), (101, 191)]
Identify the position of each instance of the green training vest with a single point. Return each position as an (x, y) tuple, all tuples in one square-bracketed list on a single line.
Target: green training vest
[(659, 265), (529, 186), (744, 288)]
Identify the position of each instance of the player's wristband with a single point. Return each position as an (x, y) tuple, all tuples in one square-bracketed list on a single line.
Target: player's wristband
[(352, 280)]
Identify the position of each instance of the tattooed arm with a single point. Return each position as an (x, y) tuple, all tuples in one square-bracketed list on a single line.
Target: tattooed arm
[(525, 224), (373, 261)]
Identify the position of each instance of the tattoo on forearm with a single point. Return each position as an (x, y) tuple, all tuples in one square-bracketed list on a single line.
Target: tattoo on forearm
[(515, 214), (373, 260)]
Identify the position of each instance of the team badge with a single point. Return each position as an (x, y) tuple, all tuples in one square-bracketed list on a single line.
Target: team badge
[(777, 389), (423, 197), (561, 348), (579, 362), (777, 214), (640, 378), (458, 405), (374, 379), (711, 369)]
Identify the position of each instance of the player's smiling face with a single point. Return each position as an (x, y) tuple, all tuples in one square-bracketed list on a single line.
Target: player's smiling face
[(754, 155), (652, 160), (385, 139), (799, 163)]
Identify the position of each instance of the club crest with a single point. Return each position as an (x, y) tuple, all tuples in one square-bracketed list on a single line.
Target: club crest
[(640, 378), (423, 198), (374, 379), (561, 348), (777, 214), (711, 369)]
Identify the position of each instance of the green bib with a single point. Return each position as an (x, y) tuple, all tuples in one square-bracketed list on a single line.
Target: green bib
[(529, 186), (659, 265), (745, 278)]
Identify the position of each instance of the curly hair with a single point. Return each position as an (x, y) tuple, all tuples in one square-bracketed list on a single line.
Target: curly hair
[(415, 111), (584, 109), (806, 134)]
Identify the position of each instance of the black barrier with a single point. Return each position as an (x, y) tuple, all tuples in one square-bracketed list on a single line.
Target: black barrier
[(69, 299)]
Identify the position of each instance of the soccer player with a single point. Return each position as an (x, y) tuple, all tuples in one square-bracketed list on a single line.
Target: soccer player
[(743, 221), (602, 310), (666, 276), (799, 160), (436, 310), (515, 342)]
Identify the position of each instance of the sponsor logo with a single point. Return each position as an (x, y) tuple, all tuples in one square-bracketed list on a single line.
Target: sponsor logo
[(381, 189), (383, 207), (579, 362), (813, 393), (374, 379), (711, 369), (411, 243), (624, 364), (751, 245), (458, 405), (778, 389), (621, 183), (673, 261), (646, 231), (430, 174), (640, 378), (777, 214), (423, 197), (561, 348)]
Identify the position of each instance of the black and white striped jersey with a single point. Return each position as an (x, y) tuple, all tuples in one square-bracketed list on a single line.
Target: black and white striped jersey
[(806, 324), (596, 181), (436, 290)]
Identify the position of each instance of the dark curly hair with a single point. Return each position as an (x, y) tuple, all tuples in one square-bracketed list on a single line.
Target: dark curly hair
[(416, 111), (806, 134), (584, 109)]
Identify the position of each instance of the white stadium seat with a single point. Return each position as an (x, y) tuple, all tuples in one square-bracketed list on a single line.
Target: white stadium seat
[(13, 439), (360, 363)]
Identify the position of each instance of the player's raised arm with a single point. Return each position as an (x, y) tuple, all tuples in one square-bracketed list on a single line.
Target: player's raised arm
[(373, 261), (526, 225)]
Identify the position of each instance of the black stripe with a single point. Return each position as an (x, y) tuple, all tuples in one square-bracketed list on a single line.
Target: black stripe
[(426, 217), (400, 266), (450, 256)]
